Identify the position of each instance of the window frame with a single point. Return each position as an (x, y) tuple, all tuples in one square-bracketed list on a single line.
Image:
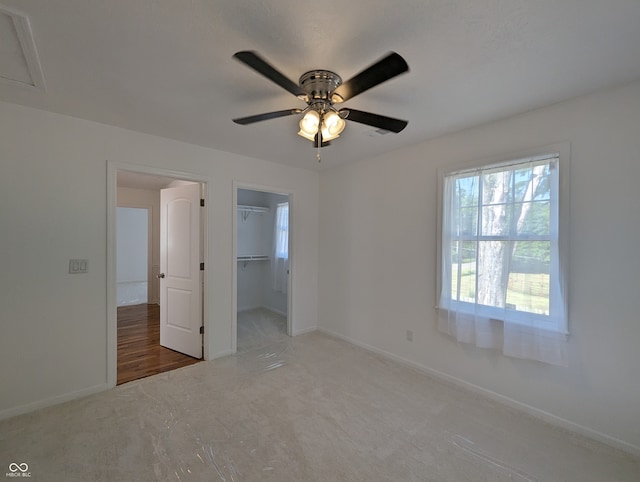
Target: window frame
[(562, 151)]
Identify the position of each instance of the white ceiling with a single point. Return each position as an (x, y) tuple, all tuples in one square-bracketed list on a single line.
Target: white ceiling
[(165, 67)]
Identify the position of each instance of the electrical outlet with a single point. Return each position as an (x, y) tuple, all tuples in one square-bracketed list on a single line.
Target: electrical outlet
[(409, 335), (78, 266)]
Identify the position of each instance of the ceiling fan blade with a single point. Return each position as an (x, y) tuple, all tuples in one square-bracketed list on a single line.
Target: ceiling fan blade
[(266, 116), (388, 67), (257, 63), (376, 120)]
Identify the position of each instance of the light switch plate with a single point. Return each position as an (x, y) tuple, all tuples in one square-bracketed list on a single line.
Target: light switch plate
[(78, 266)]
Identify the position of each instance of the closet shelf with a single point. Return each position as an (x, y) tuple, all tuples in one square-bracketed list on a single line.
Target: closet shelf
[(246, 210), (252, 257), (253, 209)]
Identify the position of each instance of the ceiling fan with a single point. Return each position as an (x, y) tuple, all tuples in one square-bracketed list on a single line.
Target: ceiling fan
[(321, 90)]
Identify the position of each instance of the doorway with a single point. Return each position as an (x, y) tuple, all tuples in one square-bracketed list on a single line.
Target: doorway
[(148, 310), (263, 267)]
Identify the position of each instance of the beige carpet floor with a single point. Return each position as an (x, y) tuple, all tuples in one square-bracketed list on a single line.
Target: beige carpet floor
[(309, 408), (259, 327)]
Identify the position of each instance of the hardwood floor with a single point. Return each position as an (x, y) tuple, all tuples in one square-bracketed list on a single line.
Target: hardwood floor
[(139, 352)]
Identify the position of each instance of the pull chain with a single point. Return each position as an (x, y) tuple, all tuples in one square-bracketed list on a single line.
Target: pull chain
[(319, 138)]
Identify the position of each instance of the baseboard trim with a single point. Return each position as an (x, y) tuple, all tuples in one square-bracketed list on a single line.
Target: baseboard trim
[(510, 402), (249, 308), (221, 354), (304, 330), (273, 310), (281, 313), (263, 307), (48, 402)]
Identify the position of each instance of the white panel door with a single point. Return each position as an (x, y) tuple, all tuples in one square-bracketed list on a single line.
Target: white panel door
[(180, 285)]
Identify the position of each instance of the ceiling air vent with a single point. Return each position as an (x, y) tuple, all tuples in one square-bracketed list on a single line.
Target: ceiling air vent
[(377, 132), (19, 62)]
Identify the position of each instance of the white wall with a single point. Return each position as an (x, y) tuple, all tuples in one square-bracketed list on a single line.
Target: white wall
[(378, 262), (132, 245), (53, 205), (250, 281), (148, 199)]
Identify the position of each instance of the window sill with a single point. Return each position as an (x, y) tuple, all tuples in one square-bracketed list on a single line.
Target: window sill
[(502, 315)]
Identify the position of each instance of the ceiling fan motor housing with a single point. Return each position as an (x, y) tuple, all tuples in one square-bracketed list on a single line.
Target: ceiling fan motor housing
[(319, 84)]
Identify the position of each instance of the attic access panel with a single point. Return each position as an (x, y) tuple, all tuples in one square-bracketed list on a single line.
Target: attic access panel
[(19, 61)]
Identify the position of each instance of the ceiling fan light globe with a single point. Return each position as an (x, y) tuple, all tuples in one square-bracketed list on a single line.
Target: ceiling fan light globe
[(328, 136), (309, 124), (306, 135), (331, 119), (332, 126)]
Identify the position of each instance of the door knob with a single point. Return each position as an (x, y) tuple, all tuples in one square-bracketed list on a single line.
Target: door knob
[(161, 275)]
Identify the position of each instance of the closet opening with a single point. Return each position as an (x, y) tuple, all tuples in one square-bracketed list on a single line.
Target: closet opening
[(263, 259)]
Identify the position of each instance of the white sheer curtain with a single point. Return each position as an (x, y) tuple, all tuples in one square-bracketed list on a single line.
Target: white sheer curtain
[(501, 282), (281, 248)]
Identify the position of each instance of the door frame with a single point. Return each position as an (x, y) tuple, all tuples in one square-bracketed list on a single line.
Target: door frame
[(112, 312), (234, 287)]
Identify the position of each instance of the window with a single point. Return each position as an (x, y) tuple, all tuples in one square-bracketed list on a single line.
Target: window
[(282, 231), (280, 266), (501, 278)]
